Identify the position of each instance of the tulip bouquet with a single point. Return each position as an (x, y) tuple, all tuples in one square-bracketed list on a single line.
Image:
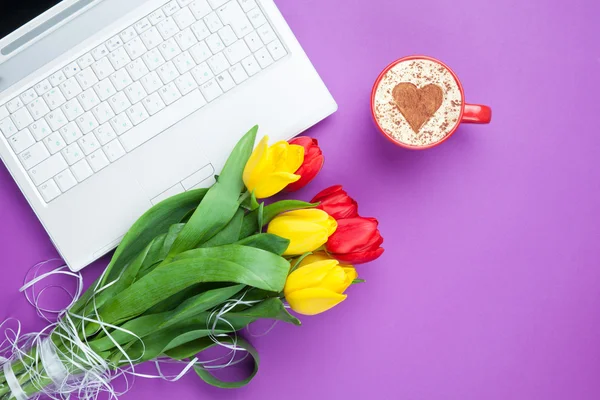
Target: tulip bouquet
[(199, 267)]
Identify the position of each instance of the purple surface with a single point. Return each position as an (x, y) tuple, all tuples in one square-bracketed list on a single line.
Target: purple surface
[(490, 286)]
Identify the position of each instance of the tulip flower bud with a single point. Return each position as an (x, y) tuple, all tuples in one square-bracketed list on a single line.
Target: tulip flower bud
[(316, 287), (271, 168), (307, 230), (336, 202), (356, 240), (313, 162)]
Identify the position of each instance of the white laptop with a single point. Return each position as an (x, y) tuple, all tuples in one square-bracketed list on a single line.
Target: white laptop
[(109, 106)]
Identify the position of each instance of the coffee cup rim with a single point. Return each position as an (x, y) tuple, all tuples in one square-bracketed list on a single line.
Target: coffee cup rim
[(378, 81)]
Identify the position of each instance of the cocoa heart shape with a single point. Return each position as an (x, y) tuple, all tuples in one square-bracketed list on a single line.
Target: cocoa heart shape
[(417, 105)]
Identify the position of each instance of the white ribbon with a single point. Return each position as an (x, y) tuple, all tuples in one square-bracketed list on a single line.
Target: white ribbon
[(53, 365), (13, 383)]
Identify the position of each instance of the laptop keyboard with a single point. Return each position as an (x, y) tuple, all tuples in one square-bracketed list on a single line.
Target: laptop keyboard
[(107, 102)]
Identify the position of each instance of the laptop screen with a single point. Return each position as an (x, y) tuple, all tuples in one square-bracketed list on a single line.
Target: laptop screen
[(16, 13)]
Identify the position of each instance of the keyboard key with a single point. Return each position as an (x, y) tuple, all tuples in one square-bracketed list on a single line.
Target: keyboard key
[(151, 38), (42, 87), (3, 112), (21, 140), (98, 160), (119, 58), (184, 18), (200, 8), (263, 57), (65, 180), (38, 108), (151, 82), (153, 103), (217, 3), (186, 39), (72, 109), (227, 35), (237, 52), (218, 63), (169, 93), (184, 62), (225, 81), (211, 90), (88, 144), (49, 191), (8, 128), (156, 17), (85, 61), (54, 98), (251, 65), (103, 112), (213, 22), (105, 134), (170, 8), (28, 96), (169, 49), (137, 69), (167, 28), (183, 3), (120, 79), (87, 122), (40, 129), (114, 150), (135, 48), (81, 170), (119, 102), (54, 143), (135, 92), (232, 14), (153, 59), (200, 30), (22, 118), (72, 153), (121, 123), (34, 155), (56, 119), (70, 88), (142, 25), (167, 72), (100, 52), (247, 5), (186, 83), (57, 78), (128, 34), (89, 99), (277, 50), (70, 70), (200, 52), (215, 43), (86, 78), (256, 17), (253, 41), (14, 104), (202, 73), (266, 33), (47, 169), (114, 43), (238, 73), (70, 132), (103, 68)]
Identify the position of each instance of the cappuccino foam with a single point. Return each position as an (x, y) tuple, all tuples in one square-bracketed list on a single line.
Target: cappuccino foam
[(421, 73)]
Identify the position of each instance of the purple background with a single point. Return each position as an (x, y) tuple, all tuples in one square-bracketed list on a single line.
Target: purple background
[(490, 284)]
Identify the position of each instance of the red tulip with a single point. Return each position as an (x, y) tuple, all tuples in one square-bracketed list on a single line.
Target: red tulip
[(336, 202), (313, 162), (356, 241)]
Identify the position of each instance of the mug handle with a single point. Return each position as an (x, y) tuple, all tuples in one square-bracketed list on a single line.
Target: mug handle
[(477, 114)]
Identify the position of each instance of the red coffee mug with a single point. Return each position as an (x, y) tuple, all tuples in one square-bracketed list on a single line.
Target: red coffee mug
[(469, 113)]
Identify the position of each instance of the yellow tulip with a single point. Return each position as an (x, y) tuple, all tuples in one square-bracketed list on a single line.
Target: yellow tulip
[(318, 286), (271, 168), (307, 230)]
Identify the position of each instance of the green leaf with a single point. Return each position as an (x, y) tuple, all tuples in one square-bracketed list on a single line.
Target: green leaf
[(220, 203), (251, 226), (228, 235), (357, 281), (229, 263), (267, 241)]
